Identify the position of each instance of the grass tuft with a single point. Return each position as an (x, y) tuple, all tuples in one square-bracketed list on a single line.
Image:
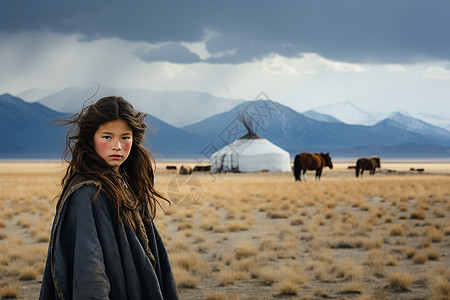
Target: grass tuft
[(400, 281), (10, 291)]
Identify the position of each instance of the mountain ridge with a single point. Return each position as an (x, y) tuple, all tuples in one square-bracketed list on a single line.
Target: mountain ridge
[(182, 108), (296, 132), (30, 131), (178, 108), (357, 116), (280, 124)]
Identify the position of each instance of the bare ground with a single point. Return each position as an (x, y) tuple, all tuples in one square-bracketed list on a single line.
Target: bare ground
[(342, 221)]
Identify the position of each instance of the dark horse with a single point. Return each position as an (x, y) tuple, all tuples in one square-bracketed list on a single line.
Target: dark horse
[(308, 161), (367, 164)]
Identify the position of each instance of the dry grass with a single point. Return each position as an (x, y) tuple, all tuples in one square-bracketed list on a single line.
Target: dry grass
[(420, 257), (397, 230), (265, 236), (400, 280), (432, 253), (439, 287), (244, 250), (229, 276), (184, 278), (29, 273), (266, 275), (352, 287), (10, 291), (433, 234), (220, 296), (288, 287)]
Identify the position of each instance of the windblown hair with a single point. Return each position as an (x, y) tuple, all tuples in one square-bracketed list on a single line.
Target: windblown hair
[(137, 168)]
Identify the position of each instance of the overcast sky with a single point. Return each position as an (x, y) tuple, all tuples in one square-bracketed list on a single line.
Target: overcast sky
[(381, 55)]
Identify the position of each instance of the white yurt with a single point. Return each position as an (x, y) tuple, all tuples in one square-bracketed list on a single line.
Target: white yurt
[(251, 153)]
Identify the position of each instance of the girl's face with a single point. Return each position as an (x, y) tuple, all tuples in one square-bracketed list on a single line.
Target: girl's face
[(113, 141)]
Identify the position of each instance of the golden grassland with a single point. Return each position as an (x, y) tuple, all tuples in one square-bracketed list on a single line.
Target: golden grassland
[(264, 236)]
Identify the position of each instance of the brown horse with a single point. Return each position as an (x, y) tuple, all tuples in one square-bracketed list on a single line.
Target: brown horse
[(308, 161), (367, 164)]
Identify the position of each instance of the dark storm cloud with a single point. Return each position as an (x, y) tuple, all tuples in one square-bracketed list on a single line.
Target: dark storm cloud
[(380, 31)]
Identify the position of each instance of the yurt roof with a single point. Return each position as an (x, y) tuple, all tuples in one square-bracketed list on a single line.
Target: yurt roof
[(255, 146)]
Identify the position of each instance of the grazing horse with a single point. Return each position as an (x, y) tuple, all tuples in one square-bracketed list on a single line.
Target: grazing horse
[(367, 164), (311, 161)]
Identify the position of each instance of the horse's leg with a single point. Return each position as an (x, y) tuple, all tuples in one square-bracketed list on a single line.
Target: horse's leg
[(357, 171), (362, 172), (297, 168), (304, 174), (319, 173)]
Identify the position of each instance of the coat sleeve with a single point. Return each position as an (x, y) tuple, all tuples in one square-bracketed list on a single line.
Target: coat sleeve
[(81, 248)]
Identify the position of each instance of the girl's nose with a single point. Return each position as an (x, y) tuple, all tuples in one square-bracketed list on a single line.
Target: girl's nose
[(117, 146)]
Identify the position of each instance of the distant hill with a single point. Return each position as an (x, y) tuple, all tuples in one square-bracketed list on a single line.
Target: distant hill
[(347, 112), (32, 95), (409, 123), (320, 117), (182, 108), (178, 108), (27, 130), (297, 133), (166, 141), (434, 120), (30, 133)]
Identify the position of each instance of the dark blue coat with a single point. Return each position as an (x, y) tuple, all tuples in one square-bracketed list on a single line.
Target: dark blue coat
[(92, 256)]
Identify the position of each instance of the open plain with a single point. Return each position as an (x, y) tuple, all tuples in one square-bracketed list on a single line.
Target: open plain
[(264, 236)]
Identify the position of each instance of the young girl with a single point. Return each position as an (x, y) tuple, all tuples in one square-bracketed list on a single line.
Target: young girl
[(103, 242)]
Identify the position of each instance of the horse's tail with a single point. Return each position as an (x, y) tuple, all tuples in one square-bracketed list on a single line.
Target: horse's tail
[(357, 168), (297, 167)]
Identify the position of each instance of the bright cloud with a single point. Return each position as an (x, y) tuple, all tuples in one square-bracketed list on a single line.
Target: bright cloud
[(340, 66), (396, 68), (437, 72), (56, 61)]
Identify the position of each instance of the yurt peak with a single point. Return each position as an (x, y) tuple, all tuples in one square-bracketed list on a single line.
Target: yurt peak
[(248, 123), (250, 136)]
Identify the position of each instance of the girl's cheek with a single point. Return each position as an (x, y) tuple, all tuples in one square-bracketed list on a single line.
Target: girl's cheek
[(101, 148), (127, 148)]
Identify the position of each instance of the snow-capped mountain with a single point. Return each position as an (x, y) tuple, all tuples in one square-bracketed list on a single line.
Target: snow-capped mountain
[(296, 132), (321, 117), (348, 113), (23, 124), (412, 124), (32, 95), (178, 108), (434, 120)]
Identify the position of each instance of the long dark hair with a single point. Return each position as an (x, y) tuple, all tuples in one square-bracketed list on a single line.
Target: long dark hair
[(137, 168)]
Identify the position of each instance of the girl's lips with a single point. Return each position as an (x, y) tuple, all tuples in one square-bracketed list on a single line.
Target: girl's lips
[(115, 156)]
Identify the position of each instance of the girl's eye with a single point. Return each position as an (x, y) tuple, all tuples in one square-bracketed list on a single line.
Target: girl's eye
[(126, 138), (106, 137)]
